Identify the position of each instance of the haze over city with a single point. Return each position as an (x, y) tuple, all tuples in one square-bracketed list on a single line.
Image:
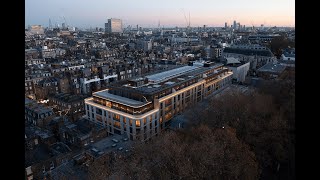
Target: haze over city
[(94, 13)]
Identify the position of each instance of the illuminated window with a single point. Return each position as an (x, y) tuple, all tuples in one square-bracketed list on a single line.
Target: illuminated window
[(117, 124), (108, 104), (137, 123), (116, 116)]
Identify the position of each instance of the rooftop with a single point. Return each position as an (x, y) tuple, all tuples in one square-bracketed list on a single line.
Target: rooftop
[(106, 95), (159, 77), (37, 108), (28, 101), (68, 98), (60, 148), (34, 131), (40, 153), (249, 52), (232, 60), (168, 81), (272, 68)]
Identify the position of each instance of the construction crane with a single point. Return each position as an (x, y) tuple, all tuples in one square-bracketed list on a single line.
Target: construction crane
[(185, 17), (188, 25)]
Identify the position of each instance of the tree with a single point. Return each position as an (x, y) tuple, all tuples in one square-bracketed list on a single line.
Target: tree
[(263, 119), (279, 43), (197, 153)]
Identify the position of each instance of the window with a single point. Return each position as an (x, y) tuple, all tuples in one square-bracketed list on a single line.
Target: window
[(99, 118), (98, 111), (108, 104), (137, 123), (117, 124), (116, 117), (36, 141)]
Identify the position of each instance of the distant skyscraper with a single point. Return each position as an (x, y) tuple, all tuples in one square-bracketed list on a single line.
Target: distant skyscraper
[(234, 25), (114, 26), (63, 26), (226, 25), (50, 24)]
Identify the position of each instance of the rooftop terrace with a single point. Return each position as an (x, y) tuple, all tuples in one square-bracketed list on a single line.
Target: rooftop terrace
[(106, 95)]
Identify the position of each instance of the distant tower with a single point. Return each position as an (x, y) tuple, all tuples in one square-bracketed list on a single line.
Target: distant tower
[(234, 24), (226, 25), (114, 26), (137, 27), (50, 25), (159, 24)]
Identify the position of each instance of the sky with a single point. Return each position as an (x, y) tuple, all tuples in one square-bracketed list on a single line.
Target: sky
[(170, 13)]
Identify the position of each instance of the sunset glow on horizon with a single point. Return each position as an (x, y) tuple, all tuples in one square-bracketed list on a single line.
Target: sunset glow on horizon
[(170, 13)]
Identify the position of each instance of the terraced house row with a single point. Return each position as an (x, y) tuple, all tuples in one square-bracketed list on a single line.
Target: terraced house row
[(142, 107)]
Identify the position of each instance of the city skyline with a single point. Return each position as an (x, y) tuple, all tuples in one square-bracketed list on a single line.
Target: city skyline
[(95, 13)]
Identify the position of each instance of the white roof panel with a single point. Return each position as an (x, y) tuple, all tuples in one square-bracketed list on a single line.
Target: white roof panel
[(159, 77)]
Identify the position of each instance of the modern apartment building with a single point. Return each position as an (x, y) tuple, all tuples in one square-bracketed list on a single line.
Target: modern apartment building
[(143, 106)]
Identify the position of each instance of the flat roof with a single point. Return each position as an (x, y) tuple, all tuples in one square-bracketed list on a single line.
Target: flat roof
[(28, 101), (171, 73), (38, 108), (272, 68), (115, 98), (173, 81)]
